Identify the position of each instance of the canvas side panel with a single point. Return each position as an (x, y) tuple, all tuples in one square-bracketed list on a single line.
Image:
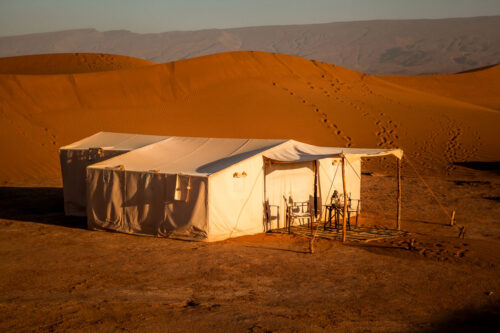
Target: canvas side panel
[(330, 178), (143, 204), (236, 200), (185, 207), (353, 178), (73, 166), (105, 199)]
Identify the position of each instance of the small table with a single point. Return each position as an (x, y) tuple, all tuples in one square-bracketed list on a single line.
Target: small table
[(336, 210)]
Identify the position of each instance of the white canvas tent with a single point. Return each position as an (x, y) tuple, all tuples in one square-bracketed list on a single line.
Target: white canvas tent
[(98, 147), (212, 189)]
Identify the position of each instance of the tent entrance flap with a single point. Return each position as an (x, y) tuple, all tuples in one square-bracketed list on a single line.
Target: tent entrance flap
[(294, 182)]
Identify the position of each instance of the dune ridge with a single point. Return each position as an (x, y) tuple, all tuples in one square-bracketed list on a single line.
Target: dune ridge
[(245, 94), (459, 86), (68, 63)]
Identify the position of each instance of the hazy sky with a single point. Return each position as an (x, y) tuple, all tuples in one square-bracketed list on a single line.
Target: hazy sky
[(30, 16)]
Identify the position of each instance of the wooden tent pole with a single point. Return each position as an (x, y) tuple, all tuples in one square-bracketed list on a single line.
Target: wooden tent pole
[(398, 214), (313, 215), (345, 200)]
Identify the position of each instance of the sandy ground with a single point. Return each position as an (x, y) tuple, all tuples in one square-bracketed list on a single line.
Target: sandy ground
[(58, 276)]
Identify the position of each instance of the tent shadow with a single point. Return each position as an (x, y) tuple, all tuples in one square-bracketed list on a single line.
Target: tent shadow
[(43, 205), (276, 249), (369, 246), (394, 251), (473, 319), (493, 167), (424, 222)]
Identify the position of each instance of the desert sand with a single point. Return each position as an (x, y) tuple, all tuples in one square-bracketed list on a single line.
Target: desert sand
[(58, 276), (292, 97), (478, 86), (68, 63)]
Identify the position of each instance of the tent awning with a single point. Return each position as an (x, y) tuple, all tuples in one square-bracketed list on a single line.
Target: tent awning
[(294, 151)]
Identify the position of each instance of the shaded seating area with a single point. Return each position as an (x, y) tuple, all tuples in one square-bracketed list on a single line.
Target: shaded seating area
[(299, 211), (339, 196)]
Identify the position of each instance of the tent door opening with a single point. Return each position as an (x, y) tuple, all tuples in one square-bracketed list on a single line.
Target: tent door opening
[(293, 182)]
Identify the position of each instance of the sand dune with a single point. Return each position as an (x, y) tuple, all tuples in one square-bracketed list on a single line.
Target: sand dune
[(68, 63), (383, 47), (247, 94), (477, 87)]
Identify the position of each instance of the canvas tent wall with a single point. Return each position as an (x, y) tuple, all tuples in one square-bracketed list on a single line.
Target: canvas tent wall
[(98, 147), (206, 188)]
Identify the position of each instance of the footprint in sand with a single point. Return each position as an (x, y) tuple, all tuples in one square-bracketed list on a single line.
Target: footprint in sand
[(453, 147), (386, 133)]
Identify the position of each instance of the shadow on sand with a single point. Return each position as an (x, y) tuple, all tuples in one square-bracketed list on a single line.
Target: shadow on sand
[(481, 166), (37, 204), (484, 319)]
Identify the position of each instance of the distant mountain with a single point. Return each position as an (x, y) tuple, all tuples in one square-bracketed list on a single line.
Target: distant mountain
[(376, 47)]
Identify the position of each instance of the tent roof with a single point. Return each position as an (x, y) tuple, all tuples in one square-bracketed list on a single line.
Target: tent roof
[(115, 141), (294, 151), (205, 156)]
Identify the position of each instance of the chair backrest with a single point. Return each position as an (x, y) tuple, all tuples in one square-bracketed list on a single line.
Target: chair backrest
[(298, 206), (354, 203), (267, 209)]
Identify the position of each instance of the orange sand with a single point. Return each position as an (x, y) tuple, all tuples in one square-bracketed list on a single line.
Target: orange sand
[(247, 94), (68, 63), (477, 87)]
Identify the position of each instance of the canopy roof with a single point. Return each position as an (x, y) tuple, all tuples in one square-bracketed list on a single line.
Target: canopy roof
[(205, 156), (294, 151), (114, 141)]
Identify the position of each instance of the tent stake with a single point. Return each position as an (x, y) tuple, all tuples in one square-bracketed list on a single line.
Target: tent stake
[(398, 214), (345, 200)]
